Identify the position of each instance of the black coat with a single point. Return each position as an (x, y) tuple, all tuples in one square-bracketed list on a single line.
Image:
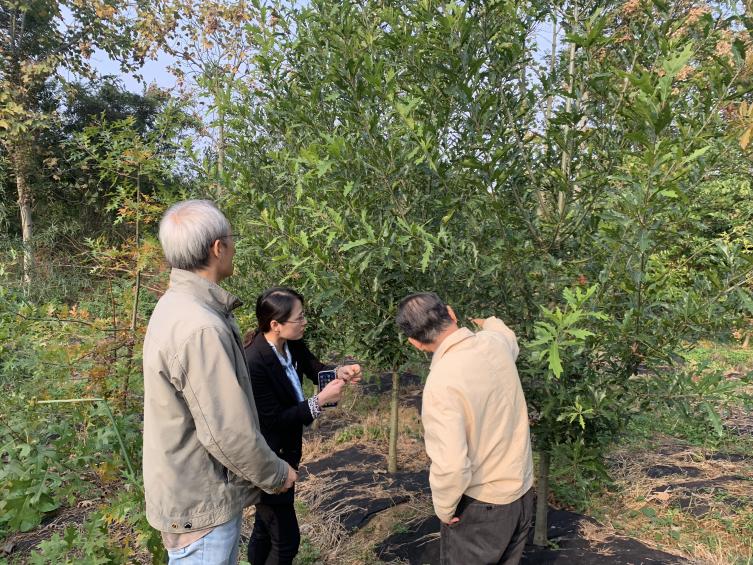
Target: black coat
[(281, 416)]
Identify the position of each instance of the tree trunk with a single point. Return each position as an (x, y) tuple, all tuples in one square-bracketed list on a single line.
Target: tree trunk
[(541, 210), (542, 494), (135, 311), (136, 293), (21, 167), (221, 148), (567, 145), (552, 70), (392, 458)]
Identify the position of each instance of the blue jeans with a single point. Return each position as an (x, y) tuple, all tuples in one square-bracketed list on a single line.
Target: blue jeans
[(218, 547)]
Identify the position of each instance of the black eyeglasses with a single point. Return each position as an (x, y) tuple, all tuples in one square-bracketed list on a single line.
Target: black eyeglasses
[(299, 320), (234, 237)]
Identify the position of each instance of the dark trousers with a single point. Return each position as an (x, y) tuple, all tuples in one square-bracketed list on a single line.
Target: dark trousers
[(487, 534), (276, 536)]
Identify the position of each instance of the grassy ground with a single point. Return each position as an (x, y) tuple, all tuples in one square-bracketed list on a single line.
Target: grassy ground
[(702, 507), (707, 517)]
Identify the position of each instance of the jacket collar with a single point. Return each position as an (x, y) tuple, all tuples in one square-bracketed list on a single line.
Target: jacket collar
[(271, 360), (208, 292), (461, 334)]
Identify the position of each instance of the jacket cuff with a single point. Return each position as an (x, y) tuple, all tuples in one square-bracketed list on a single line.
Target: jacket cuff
[(314, 407), (444, 516), (282, 476)]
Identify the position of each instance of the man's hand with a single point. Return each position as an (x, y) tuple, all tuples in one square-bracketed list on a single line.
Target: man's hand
[(350, 373), (454, 520), (290, 480), (479, 322)]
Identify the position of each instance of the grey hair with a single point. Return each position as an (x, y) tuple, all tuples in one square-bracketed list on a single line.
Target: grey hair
[(187, 231), (422, 316)]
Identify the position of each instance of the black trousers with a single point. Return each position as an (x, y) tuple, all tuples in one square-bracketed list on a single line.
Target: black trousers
[(487, 534), (276, 536)]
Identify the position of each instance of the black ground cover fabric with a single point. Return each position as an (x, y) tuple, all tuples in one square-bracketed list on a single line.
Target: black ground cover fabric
[(366, 488), (692, 496), (659, 471), (420, 545)]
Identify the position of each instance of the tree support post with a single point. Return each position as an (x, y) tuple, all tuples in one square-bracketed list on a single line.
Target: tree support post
[(542, 494), (392, 457)]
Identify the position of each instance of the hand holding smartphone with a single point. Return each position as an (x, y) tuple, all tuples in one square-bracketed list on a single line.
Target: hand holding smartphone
[(325, 378)]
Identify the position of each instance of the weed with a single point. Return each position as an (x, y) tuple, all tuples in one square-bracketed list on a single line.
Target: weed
[(350, 433), (308, 554)]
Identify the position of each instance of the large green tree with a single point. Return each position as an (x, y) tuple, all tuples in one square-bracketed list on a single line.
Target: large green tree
[(380, 149)]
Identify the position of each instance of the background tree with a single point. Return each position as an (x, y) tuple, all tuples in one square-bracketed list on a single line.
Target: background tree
[(72, 199), (38, 40), (212, 47)]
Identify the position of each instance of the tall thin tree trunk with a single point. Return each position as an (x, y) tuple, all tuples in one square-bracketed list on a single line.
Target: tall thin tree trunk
[(221, 147), (552, 69), (134, 312), (567, 151), (522, 78), (136, 293), (21, 169), (541, 210), (542, 494), (392, 457)]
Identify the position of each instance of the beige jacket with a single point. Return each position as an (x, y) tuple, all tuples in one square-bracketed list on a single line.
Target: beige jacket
[(476, 421), (204, 456)]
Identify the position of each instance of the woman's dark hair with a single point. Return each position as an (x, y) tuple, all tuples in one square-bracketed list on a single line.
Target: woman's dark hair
[(275, 303)]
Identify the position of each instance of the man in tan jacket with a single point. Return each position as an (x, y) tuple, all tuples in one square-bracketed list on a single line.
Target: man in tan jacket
[(204, 456), (476, 432)]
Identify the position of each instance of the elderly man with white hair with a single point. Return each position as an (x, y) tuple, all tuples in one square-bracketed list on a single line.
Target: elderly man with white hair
[(204, 456)]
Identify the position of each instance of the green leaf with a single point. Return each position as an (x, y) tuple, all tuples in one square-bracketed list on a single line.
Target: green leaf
[(673, 65), (555, 365), (426, 256), (569, 297), (353, 244), (580, 334), (695, 155), (648, 512), (713, 417), (669, 193)]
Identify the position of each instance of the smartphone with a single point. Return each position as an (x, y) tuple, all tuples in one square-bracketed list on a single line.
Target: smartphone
[(326, 377)]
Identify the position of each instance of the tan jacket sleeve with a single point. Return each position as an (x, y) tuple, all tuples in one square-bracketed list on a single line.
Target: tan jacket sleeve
[(224, 416), (494, 324), (444, 433)]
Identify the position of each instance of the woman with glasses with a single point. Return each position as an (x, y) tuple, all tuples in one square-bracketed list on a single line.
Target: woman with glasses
[(277, 360)]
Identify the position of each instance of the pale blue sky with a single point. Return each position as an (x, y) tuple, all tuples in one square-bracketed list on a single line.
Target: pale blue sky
[(153, 71)]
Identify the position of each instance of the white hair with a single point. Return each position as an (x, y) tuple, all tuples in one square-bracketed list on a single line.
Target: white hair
[(187, 231)]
